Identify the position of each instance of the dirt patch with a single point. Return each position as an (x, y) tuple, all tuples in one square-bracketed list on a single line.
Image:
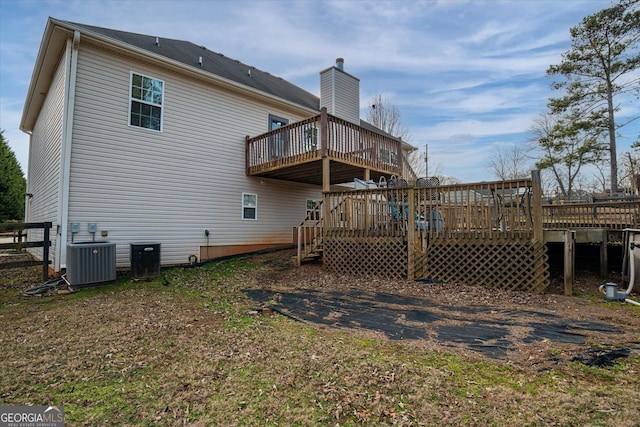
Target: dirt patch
[(19, 278)]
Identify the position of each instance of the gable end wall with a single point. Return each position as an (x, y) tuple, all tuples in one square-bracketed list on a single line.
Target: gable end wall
[(44, 161), (167, 187)]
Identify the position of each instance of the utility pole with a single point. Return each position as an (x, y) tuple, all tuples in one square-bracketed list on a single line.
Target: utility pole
[(426, 160)]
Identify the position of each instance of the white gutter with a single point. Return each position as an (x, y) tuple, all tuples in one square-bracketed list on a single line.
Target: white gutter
[(71, 63)]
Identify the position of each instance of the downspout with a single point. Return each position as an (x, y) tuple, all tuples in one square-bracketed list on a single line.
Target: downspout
[(28, 195), (71, 59)]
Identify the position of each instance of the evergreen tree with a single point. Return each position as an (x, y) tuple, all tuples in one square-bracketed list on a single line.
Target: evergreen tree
[(599, 67), (12, 184)]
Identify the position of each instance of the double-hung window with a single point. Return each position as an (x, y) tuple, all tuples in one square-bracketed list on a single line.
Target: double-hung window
[(312, 213), (146, 98), (249, 206)]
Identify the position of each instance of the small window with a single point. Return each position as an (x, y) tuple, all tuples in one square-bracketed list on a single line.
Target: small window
[(276, 122), (311, 212), (146, 98), (249, 206)]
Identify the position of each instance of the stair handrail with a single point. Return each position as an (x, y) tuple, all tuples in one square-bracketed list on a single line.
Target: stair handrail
[(308, 245), (314, 216)]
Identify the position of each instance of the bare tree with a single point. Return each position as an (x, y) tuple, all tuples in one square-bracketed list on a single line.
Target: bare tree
[(424, 166), (601, 177), (416, 160), (630, 169), (509, 162), (386, 116)]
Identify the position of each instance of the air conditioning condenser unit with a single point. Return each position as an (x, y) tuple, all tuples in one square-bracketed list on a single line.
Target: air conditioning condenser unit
[(91, 263)]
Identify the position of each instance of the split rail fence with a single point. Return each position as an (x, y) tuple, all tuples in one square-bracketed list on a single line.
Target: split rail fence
[(45, 244)]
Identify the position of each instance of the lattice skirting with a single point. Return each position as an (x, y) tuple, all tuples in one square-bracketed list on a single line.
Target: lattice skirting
[(509, 264), (366, 256)]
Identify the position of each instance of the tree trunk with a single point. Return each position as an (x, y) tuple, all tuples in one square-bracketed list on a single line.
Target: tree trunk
[(612, 140)]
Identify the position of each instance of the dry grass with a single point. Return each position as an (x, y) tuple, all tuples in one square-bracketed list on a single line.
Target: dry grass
[(196, 353)]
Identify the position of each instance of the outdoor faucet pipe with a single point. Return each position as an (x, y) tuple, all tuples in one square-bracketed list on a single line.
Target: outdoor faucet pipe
[(632, 272), (610, 289), (632, 275)]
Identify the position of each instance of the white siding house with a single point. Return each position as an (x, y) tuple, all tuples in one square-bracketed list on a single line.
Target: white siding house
[(90, 162)]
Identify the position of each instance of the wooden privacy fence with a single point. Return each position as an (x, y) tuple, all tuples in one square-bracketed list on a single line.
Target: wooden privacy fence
[(45, 244), (484, 233)]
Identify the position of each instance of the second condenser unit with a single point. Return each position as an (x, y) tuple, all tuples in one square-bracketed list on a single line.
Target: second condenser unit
[(145, 260)]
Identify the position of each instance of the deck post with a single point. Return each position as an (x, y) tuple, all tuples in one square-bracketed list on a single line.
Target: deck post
[(604, 256), (569, 261), (411, 233), (246, 155), (326, 174), (536, 211), (299, 257), (324, 152), (325, 220), (324, 132), (400, 160), (46, 244)]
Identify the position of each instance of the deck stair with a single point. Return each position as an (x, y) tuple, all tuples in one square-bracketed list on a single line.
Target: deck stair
[(310, 236)]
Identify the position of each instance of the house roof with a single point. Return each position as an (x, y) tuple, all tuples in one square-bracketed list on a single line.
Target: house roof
[(178, 51), (188, 53)]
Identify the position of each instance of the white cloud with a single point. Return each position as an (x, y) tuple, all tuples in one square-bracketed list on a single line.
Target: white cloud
[(474, 68)]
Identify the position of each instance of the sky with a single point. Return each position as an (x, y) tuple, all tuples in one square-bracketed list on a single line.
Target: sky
[(467, 76)]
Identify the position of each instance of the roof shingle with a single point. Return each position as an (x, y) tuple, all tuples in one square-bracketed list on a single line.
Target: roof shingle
[(189, 53)]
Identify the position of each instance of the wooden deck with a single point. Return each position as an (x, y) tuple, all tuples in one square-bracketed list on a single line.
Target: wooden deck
[(490, 233), (325, 150)]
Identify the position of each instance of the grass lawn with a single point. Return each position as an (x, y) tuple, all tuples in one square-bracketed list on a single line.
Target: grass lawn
[(196, 352)]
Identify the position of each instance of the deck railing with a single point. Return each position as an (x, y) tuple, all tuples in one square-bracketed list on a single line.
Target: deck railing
[(326, 135), (610, 215), (503, 208), (288, 145)]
